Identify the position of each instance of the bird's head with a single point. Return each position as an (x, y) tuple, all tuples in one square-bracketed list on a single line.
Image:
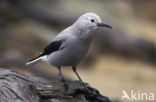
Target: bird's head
[(90, 21)]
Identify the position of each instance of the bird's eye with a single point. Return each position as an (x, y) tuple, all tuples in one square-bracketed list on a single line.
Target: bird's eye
[(92, 20)]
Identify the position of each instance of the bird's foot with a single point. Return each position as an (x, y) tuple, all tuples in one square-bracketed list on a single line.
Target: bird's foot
[(83, 84), (66, 86), (62, 80)]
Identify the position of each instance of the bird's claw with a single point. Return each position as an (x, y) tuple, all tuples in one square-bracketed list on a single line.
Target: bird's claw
[(66, 86), (83, 84)]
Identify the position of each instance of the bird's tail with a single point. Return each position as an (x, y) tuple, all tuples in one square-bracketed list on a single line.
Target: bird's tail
[(32, 61)]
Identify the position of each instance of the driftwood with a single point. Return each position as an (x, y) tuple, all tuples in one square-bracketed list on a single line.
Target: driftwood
[(17, 87)]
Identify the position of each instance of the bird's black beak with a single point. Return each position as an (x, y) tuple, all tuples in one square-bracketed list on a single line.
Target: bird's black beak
[(102, 24)]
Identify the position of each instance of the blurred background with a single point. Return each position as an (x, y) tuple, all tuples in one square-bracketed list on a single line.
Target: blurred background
[(119, 59)]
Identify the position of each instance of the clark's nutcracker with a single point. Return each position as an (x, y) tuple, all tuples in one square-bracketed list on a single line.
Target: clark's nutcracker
[(70, 45)]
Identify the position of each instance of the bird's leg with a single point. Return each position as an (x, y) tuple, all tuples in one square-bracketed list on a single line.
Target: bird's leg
[(62, 78), (80, 80), (60, 75)]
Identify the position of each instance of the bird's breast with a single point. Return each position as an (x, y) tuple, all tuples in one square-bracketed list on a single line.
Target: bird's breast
[(78, 48), (76, 51)]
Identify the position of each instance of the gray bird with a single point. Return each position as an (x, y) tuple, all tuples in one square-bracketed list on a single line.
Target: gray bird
[(69, 46)]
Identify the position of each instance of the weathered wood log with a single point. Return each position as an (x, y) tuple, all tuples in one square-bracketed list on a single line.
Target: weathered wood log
[(17, 87)]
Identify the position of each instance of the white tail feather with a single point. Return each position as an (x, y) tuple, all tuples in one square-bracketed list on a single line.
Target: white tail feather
[(33, 61)]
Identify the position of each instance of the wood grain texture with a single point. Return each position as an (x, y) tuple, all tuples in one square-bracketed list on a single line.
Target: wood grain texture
[(17, 87)]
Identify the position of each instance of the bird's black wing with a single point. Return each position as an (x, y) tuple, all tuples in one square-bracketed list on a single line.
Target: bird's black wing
[(52, 47)]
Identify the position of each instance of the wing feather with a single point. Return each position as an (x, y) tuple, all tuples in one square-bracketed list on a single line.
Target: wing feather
[(52, 47)]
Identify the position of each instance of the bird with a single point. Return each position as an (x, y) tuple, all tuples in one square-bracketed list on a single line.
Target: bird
[(70, 46)]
